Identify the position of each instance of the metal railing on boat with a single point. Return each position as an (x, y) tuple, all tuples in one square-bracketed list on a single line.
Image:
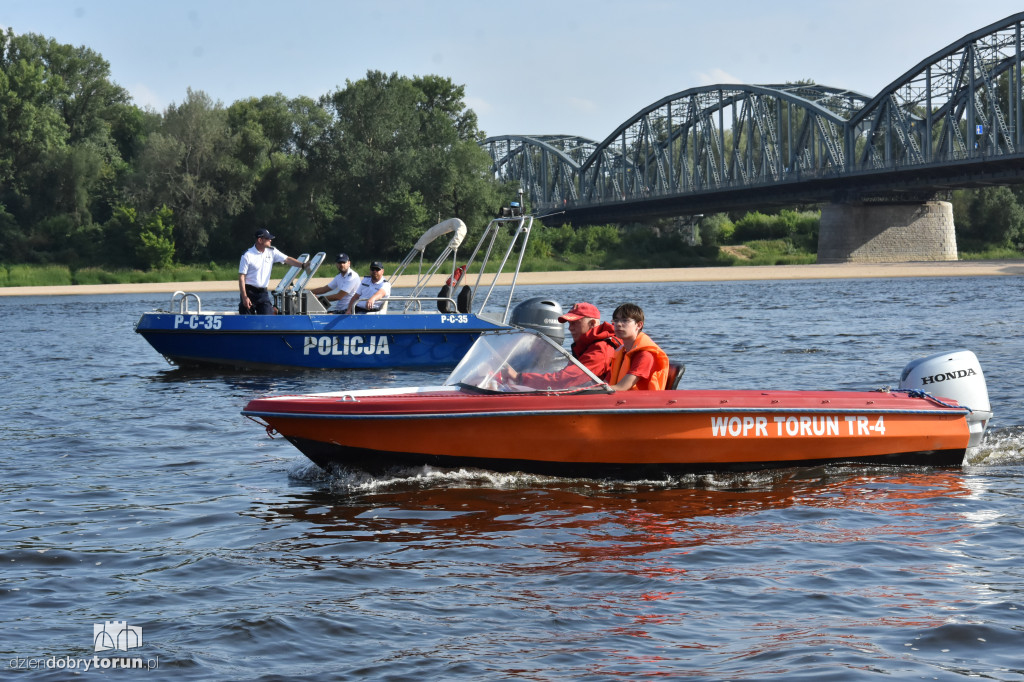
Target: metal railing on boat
[(180, 298)]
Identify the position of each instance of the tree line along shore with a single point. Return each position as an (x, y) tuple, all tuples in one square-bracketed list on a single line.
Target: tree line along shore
[(93, 183)]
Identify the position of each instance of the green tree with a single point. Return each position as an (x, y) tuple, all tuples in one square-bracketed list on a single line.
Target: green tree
[(29, 123), (190, 165), (89, 102), (996, 217), (59, 164), (145, 242), (401, 154), (277, 137), (716, 229), (455, 171), (799, 228), (32, 135), (155, 248)]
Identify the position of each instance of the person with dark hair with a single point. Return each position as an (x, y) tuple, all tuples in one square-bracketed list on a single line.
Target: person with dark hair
[(373, 291), (254, 274), (593, 344), (639, 365), (342, 288)]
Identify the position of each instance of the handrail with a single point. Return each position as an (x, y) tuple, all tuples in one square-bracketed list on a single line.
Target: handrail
[(420, 299), (181, 299)]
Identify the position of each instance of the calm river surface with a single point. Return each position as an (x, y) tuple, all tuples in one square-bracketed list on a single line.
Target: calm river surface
[(133, 491)]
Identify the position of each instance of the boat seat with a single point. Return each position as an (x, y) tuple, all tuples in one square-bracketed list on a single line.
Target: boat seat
[(444, 304), (675, 373), (464, 303)]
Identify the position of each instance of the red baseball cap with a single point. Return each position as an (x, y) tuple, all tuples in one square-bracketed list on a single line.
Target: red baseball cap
[(579, 311)]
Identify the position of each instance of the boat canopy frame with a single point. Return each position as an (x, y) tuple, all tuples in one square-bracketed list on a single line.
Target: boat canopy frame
[(476, 266)]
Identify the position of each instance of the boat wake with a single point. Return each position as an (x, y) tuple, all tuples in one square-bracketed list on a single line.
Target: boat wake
[(353, 481), (345, 480), (1000, 447)]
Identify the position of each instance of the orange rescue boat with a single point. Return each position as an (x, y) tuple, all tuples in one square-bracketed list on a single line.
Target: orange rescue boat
[(575, 425)]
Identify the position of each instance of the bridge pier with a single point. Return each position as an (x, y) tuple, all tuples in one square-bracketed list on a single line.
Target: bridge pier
[(887, 232)]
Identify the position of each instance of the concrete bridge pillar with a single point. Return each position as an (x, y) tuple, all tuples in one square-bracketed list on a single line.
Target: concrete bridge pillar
[(887, 233)]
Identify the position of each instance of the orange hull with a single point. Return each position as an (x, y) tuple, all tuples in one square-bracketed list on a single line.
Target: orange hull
[(638, 433)]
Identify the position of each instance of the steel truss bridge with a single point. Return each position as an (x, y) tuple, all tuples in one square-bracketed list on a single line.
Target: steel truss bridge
[(956, 119)]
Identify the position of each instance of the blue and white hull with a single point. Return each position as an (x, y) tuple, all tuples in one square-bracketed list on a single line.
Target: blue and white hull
[(313, 341)]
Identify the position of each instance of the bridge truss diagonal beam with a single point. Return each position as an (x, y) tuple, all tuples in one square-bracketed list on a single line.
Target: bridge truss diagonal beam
[(933, 127), (961, 103)]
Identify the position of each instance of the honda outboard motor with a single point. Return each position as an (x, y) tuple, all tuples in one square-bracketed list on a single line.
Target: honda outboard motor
[(540, 314), (955, 375)]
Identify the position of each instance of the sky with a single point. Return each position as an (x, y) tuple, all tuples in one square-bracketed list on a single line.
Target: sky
[(529, 67)]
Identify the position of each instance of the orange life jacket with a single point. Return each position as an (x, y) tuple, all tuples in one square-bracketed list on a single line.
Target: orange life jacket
[(621, 363)]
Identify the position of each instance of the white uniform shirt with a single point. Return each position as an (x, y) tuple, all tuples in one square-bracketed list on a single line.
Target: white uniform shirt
[(368, 288), (348, 283), (256, 266)]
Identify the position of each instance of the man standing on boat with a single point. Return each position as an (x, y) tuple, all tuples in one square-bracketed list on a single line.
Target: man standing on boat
[(593, 344), (254, 274), (372, 291), (344, 285)]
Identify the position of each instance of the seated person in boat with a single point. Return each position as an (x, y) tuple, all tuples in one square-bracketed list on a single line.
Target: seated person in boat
[(342, 287), (593, 344), (639, 365), (254, 274), (372, 293)]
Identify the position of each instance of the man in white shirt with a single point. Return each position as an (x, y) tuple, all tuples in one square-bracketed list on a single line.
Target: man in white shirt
[(254, 274), (342, 287), (372, 291)]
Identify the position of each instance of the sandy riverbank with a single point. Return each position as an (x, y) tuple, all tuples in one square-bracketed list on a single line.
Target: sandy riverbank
[(721, 274)]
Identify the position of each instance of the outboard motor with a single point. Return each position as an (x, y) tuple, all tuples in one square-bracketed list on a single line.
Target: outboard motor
[(540, 314), (955, 375)]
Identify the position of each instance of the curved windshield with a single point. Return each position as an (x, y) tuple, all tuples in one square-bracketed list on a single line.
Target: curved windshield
[(521, 361)]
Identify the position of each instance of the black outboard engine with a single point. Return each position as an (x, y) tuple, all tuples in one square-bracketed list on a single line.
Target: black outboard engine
[(540, 314)]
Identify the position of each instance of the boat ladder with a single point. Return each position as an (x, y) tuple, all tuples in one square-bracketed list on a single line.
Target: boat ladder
[(181, 298)]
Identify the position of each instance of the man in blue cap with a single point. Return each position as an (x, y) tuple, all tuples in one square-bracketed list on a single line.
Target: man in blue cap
[(342, 287), (254, 274)]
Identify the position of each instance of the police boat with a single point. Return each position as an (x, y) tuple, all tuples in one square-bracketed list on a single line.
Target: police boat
[(414, 328)]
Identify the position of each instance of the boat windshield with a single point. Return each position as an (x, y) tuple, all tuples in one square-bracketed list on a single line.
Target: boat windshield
[(522, 361)]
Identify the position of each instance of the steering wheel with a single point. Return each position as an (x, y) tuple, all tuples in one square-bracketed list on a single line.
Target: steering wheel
[(490, 381)]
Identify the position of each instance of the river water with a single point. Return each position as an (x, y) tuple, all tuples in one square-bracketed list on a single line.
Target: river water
[(135, 493)]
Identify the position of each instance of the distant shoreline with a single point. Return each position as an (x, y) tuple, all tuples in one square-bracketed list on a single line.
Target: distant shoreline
[(706, 274)]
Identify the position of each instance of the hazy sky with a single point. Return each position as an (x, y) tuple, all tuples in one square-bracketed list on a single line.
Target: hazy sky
[(529, 67)]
